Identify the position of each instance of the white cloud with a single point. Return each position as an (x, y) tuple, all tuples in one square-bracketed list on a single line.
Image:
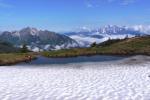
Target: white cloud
[(89, 5), (127, 2), (122, 2), (87, 40), (94, 3), (142, 28), (110, 1), (5, 5)]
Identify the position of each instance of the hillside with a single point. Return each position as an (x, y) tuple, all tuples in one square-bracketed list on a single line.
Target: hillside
[(136, 45), (7, 48), (132, 46)]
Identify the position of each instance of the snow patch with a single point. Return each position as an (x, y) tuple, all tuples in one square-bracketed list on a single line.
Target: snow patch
[(86, 81)]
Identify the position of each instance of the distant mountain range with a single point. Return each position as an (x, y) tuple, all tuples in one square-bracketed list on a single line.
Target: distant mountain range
[(86, 36), (38, 40)]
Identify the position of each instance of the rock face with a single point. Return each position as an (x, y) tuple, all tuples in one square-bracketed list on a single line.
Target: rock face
[(38, 40), (86, 36)]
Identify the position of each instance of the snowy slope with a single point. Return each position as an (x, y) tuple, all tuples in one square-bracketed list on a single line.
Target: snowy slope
[(86, 81)]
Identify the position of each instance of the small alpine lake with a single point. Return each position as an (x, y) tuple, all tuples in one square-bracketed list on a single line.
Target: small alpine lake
[(80, 59)]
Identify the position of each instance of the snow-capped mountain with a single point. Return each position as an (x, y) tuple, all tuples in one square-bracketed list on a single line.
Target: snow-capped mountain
[(88, 36), (38, 40)]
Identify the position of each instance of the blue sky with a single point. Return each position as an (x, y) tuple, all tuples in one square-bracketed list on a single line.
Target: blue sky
[(64, 15)]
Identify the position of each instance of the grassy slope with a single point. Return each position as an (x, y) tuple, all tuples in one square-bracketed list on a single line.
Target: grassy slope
[(138, 45), (13, 58)]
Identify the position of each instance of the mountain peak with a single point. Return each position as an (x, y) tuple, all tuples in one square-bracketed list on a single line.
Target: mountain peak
[(43, 40), (29, 30)]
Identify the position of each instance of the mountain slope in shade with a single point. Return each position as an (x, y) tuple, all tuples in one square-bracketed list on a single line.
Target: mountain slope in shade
[(38, 40), (7, 47), (86, 37)]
